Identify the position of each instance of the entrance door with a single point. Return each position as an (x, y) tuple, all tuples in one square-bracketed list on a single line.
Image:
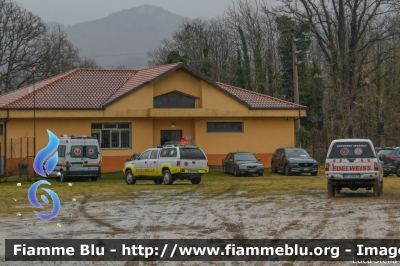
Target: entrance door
[(170, 135)]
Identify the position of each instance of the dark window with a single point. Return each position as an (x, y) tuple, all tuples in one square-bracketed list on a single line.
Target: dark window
[(224, 126), (192, 153), (77, 151), (168, 152), (154, 154), (1, 130), (91, 152), (351, 150), (145, 155), (173, 100), (113, 135), (61, 151)]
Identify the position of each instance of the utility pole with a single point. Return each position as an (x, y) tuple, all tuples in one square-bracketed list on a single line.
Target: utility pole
[(295, 87)]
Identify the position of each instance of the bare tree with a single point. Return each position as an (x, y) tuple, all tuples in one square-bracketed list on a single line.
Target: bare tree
[(342, 30), (26, 44), (19, 52)]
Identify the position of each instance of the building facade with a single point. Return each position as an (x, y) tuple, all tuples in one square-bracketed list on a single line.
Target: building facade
[(132, 110)]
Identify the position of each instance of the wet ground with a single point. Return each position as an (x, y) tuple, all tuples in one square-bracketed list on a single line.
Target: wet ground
[(229, 215)]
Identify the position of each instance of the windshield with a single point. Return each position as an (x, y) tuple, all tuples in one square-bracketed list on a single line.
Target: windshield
[(245, 157), (386, 152), (297, 153), (351, 150)]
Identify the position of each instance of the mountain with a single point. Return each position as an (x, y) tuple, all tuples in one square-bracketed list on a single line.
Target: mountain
[(124, 37)]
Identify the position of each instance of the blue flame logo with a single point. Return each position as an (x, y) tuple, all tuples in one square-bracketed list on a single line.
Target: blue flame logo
[(32, 198), (44, 153)]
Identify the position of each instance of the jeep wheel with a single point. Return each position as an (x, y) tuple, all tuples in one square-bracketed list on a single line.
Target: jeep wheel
[(129, 178), (236, 172), (94, 178), (158, 181), (377, 188), (273, 168), (63, 178), (382, 187), (287, 170), (331, 190), (260, 174), (196, 180), (167, 177)]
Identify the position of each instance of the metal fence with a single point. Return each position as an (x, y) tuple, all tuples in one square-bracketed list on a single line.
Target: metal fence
[(20, 158)]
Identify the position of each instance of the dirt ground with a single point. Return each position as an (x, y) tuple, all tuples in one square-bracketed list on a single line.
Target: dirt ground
[(188, 215)]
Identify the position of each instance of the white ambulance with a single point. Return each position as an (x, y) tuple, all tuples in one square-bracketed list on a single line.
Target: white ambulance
[(78, 157), (353, 163)]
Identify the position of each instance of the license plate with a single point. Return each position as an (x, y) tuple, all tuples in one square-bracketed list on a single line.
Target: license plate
[(351, 176), (306, 169), (92, 168), (193, 171), (252, 170)]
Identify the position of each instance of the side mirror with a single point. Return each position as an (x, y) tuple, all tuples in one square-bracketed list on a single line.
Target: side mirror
[(258, 159), (382, 157), (231, 160)]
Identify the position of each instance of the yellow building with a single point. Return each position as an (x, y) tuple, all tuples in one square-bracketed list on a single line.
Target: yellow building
[(132, 110)]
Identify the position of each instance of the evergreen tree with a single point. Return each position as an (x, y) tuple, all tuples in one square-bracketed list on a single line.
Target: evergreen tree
[(174, 57)]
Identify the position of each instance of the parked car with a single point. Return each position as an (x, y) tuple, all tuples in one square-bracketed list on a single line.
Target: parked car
[(242, 163), (293, 161), (390, 159)]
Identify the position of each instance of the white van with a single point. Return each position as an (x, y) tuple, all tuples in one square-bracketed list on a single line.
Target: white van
[(78, 157), (352, 163)]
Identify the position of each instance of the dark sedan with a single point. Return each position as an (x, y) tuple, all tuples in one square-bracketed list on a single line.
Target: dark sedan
[(293, 161), (390, 160), (242, 163)]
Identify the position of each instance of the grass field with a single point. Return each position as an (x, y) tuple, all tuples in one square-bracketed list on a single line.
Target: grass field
[(113, 187)]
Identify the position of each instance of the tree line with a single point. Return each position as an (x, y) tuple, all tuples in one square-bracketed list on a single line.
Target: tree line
[(347, 59), (29, 49)]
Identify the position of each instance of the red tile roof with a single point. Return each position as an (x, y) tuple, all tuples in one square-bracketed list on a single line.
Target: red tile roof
[(255, 100), (96, 88)]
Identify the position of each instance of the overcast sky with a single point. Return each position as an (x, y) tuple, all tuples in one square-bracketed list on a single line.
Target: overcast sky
[(69, 12)]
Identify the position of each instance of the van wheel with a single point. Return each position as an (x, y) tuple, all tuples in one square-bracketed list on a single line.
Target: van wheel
[(94, 178), (63, 178), (377, 188), (158, 181), (224, 169), (167, 177), (129, 178), (331, 190), (196, 180)]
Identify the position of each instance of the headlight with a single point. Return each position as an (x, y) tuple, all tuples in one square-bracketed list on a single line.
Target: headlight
[(242, 166)]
